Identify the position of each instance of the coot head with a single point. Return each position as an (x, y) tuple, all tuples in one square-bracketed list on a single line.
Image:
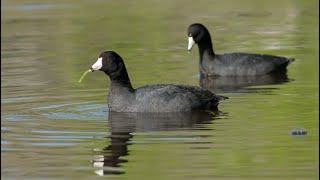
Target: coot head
[(197, 33), (110, 63)]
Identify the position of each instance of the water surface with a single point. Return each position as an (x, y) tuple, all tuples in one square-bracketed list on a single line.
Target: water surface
[(53, 127)]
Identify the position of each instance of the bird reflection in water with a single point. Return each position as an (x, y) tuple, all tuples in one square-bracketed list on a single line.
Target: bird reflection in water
[(122, 125), (227, 84)]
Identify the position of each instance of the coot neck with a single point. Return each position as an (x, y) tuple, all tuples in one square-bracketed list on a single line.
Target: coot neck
[(121, 94), (120, 83), (205, 49)]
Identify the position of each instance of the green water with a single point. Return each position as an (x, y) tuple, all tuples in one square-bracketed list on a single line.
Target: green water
[(53, 127)]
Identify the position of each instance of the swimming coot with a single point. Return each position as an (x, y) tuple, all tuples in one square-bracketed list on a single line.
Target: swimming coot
[(151, 98), (233, 64)]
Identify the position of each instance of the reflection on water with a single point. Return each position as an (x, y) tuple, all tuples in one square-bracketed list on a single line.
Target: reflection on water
[(123, 125), (109, 159), (220, 84)]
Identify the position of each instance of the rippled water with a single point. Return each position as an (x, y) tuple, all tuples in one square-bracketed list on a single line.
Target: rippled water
[(53, 127)]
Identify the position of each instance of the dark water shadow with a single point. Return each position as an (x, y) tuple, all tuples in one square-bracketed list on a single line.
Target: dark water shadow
[(122, 125), (234, 84)]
